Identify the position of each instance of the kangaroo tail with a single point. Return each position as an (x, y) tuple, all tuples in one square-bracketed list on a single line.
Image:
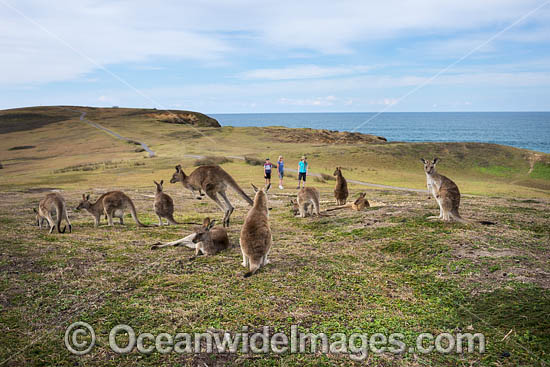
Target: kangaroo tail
[(134, 214), (458, 218), (231, 182), (253, 269), (172, 220)]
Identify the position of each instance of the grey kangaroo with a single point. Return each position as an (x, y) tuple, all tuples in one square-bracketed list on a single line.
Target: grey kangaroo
[(164, 205), (53, 202), (112, 204), (213, 180)]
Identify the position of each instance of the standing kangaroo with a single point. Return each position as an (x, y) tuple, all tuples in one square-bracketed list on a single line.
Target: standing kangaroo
[(53, 202), (210, 240), (341, 190), (112, 204), (445, 192), (164, 205), (256, 238), (307, 202), (213, 180)]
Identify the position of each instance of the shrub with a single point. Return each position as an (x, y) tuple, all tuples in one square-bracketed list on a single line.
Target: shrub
[(211, 161), (327, 177), (253, 161)]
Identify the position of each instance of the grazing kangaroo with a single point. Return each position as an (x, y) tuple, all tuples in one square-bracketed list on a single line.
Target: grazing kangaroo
[(360, 203), (341, 190), (445, 192), (112, 204), (256, 238), (209, 240), (307, 202), (164, 205), (53, 202), (213, 180)]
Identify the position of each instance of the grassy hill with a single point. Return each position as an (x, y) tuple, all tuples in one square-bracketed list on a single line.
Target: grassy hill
[(387, 269)]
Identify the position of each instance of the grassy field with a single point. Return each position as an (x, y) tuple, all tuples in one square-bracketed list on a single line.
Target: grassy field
[(385, 270)]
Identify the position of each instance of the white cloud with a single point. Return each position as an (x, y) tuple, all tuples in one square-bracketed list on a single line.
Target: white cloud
[(303, 72), (210, 31)]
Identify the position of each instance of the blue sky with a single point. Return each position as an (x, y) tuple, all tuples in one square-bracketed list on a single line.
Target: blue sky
[(276, 56)]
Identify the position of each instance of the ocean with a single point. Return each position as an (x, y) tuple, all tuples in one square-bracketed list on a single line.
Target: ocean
[(528, 130)]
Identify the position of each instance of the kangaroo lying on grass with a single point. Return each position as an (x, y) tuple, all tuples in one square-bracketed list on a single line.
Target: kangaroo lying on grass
[(213, 180), (164, 205), (206, 238), (307, 201), (53, 202), (209, 240), (341, 190), (256, 238), (445, 192), (112, 204), (360, 203)]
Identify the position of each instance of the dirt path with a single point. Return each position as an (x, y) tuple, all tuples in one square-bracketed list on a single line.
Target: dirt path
[(112, 133), (362, 183)]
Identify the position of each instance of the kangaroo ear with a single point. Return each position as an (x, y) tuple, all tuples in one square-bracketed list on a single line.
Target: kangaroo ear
[(206, 222), (436, 160), (161, 182), (209, 227), (88, 197), (155, 182), (423, 160), (178, 167), (254, 187), (83, 197)]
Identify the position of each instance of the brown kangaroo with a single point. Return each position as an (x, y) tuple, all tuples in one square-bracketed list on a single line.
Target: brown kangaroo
[(307, 202), (256, 238), (213, 180), (209, 239), (53, 202), (360, 203), (164, 205), (341, 190), (112, 204), (445, 192)]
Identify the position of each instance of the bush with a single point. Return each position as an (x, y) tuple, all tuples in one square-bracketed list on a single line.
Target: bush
[(211, 161), (327, 177), (319, 179), (253, 161)]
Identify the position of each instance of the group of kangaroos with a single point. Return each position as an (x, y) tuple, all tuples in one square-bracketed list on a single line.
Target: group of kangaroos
[(255, 237)]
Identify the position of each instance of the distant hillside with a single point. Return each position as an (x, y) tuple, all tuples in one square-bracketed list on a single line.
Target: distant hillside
[(29, 118)]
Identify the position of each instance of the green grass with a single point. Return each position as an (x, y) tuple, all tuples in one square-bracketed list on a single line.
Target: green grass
[(386, 269), (541, 171)]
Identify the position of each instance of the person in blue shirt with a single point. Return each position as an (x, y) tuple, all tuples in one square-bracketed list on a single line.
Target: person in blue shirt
[(302, 171), (268, 166), (281, 170)]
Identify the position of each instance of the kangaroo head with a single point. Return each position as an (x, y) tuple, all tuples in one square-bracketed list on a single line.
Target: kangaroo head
[(337, 171), (178, 176), (203, 233), (429, 167), (84, 203), (159, 185), (294, 205), (261, 196), (36, 216)]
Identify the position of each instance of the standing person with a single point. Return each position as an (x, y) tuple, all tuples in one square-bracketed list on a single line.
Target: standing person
[(268, 166), (302, 171), (281, 170)]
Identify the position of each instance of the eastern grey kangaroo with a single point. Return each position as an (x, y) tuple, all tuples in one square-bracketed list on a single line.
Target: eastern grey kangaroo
[(213, 180), (307, 202), (53, 202), (341, 190), (209, 239), (256, 238), (164, 205), (112, 204)]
